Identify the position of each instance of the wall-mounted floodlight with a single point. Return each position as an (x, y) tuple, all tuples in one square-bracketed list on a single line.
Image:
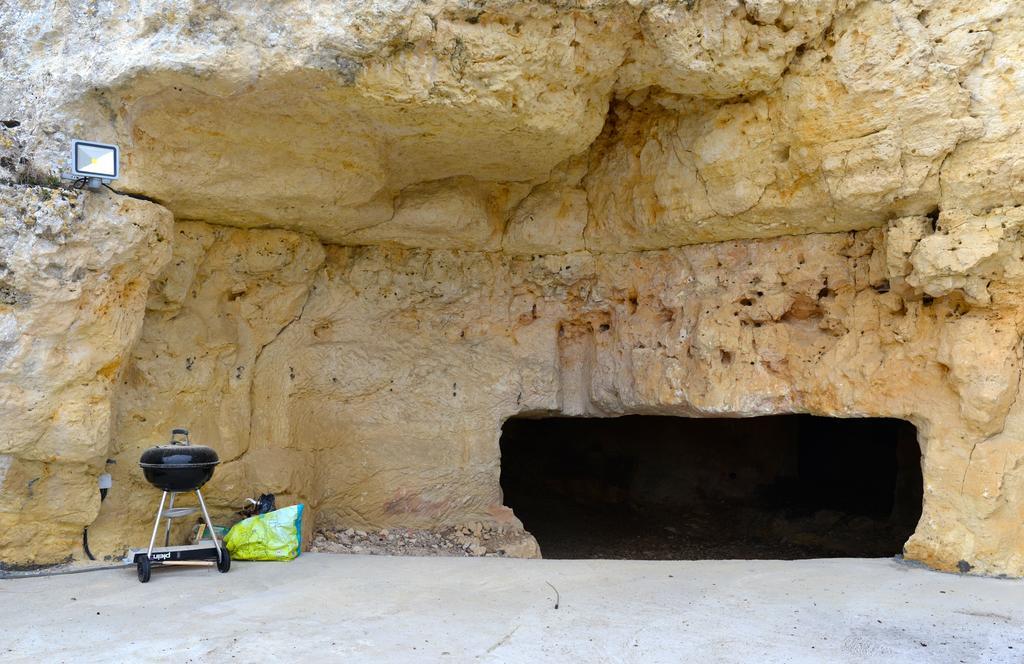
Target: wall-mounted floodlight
[(96, 163)]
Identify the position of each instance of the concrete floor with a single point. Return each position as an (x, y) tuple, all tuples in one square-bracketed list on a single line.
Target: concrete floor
[(324, 607)]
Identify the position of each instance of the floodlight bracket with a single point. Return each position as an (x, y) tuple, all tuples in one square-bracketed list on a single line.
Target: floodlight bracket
[(92, 183)]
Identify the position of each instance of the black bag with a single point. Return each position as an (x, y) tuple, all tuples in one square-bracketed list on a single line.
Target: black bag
[(264, 504)]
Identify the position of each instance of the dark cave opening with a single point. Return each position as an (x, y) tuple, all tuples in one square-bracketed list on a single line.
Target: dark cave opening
[(674, 488)]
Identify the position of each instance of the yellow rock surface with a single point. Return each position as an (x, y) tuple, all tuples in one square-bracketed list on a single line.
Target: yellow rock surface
[(398, 223), (74, 273)]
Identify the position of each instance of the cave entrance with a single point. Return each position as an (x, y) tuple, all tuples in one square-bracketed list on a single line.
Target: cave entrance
[(673, 488)]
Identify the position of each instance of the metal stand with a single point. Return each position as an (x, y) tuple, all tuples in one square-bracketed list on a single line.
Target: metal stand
[(192, 554), (172, 513)]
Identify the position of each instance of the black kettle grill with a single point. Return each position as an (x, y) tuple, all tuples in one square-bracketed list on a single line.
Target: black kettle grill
[(179, 467)]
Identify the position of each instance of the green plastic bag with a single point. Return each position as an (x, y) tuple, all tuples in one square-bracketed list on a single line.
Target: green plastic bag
[(275, 535)]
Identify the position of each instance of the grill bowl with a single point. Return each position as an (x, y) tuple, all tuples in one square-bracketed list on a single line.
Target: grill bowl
[(178, 467)]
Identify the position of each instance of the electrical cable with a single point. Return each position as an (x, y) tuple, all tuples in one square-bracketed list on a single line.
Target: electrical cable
[(85, 543), (124, 193), (85, 531), (34, 574)]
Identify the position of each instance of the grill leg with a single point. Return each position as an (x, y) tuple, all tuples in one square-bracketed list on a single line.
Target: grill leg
[(156, 524), (209, 524), (167, 531)]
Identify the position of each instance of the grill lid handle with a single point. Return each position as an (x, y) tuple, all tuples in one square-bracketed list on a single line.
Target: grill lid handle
[(180, 432)]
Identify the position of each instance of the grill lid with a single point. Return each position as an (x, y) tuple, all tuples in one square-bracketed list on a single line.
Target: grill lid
[(179, 453)]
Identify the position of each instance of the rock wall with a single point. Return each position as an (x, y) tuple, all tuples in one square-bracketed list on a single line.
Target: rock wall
[(373, 387), (74, 272), (535, 126), (399, 223)]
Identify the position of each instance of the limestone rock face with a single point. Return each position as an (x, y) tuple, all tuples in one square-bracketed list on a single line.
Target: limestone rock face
[(853, 134), (381, 383), (397, 224), (225, 295), (968, 253), (722, 50), (981, 41), (74, 273), (262, 113), (426, 124)]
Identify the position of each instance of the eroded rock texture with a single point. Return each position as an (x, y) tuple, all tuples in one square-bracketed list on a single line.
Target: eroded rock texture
[(74, 272), (399, 223)]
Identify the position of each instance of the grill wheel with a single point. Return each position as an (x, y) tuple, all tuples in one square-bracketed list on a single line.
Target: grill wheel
[(144, 569)]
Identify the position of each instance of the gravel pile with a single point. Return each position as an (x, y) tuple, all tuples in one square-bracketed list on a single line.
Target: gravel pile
[(476, 539)]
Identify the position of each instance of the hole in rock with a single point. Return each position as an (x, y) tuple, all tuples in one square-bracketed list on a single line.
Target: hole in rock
[(673, 488)]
